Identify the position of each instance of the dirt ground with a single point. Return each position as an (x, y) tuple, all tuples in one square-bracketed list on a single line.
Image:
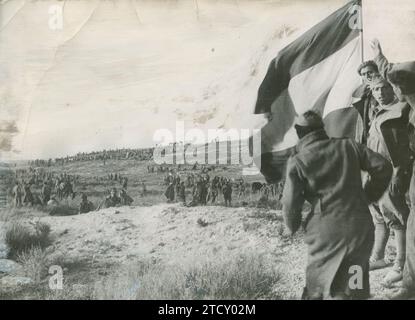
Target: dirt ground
[(97, 243)]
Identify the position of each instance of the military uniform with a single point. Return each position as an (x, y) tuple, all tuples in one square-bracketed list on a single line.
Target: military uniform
[(339, 229), (392, 209), (394, 71), (86, 206)]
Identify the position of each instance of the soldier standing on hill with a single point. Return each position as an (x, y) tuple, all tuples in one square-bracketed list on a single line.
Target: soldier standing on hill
[(169, 193), (212, 191), (182, 192), (143, 189), (45, 193), (227, 193), (365, 102), (177, 183), (202, 190), (402, 78), (339, 228), (388, 135), (85, 205), (241, 188), (27, 194), (17, 195), (113, 199), (125, 183), (126, 200)]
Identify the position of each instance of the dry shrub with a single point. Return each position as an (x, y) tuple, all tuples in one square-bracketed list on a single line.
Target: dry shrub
[(69, 292), (20, 238), (245, 276), (34, 263)]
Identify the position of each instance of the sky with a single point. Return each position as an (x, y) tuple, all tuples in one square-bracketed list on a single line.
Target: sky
[(119, 70)]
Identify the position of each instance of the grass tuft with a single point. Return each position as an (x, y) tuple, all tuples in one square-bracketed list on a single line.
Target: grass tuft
[(246, 276), (21, 238)]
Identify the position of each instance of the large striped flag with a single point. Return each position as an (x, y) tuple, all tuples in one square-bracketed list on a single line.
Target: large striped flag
[(318, 71)]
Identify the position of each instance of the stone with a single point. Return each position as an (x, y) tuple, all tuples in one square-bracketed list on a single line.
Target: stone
[(14, 282), (4, 250), (10, 267)]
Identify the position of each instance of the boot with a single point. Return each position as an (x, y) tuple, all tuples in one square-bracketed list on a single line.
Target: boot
[(396, 273), (377, 260)]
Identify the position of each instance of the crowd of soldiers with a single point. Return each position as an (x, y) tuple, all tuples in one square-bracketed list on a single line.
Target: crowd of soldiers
[(33, 187), (121, 179), (161, 168), (51, 186), (40, 187), (116, 199), (117, 154), (206, 190)]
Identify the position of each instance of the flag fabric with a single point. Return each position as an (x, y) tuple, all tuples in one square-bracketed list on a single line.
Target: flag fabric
[(318, 71)]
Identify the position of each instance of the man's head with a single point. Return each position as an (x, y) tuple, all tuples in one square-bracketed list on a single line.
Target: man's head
[(403, 83), (382, 91), (368, 70), (308, 122)]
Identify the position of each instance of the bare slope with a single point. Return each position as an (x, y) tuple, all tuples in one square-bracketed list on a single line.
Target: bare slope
[(109, 239)]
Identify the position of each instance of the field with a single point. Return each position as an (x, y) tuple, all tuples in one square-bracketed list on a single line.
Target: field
[(153, 249)]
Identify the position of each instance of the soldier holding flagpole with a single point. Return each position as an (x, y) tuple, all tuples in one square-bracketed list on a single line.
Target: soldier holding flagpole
[(402, 78)]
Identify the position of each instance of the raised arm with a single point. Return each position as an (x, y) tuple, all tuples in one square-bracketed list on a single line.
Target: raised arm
[(383, 64)]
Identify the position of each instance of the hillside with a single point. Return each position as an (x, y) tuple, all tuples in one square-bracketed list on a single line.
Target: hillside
[(98, 245)]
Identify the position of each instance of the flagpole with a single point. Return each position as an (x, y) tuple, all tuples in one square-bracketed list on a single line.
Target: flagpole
[(361, 31)]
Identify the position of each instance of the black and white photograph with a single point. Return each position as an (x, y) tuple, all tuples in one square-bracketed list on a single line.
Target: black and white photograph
[(225, 152)]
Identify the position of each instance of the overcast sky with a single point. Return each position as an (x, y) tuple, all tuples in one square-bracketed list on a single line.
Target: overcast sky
[(119, 70)]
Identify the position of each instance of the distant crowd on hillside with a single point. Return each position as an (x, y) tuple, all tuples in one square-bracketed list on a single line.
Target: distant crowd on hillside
[(116, 154)]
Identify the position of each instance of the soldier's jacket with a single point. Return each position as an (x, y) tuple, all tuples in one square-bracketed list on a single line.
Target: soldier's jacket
[(363, 103), (385, 68), (227, 190), (125, 199), (339, 229), (17, 191), (112, 201), (86, 206)]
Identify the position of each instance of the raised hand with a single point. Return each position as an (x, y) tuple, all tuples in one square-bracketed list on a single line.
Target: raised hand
[(376, 47)]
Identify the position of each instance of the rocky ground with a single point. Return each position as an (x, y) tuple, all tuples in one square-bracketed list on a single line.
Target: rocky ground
[(93, 245)]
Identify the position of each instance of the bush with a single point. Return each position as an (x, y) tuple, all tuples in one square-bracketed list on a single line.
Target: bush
[(34, 263), (242, 277), (21, 238)]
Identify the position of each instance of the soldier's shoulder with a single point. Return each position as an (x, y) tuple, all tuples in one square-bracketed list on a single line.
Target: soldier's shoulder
[(345, 142), (348, 143), (406, 110)]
